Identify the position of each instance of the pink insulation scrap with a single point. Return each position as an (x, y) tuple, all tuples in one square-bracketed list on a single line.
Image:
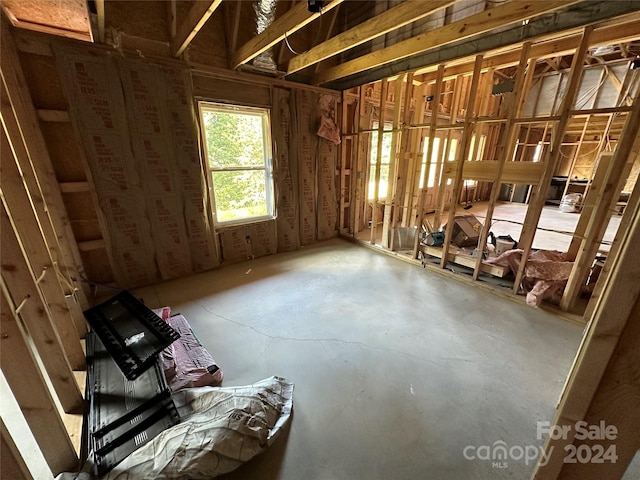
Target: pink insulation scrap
[(186, 362), (545, 275)]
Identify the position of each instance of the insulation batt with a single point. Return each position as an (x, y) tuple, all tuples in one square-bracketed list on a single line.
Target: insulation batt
[(545, 275)]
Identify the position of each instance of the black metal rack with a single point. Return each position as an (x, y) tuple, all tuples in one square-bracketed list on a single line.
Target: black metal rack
[(132, 333), (127, 393)]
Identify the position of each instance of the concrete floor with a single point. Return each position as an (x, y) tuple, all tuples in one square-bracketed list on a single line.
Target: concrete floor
[(397, 369)]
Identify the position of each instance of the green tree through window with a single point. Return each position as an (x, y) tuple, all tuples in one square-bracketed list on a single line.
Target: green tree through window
[(238, 152)]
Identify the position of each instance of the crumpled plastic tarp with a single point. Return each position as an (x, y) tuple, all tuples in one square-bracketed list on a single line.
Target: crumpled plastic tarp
[(545, 275), (221, 428)]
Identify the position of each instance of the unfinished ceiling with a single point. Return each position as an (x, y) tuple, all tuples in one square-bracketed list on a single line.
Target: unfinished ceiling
[(344, 44)]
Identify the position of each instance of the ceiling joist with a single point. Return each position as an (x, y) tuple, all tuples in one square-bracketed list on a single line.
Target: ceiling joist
[(551, 48), (509, 13), (292, 21), (188, 29), (389, 20)]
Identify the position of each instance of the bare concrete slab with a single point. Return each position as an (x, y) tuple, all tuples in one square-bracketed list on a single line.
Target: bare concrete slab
[(397, 369)]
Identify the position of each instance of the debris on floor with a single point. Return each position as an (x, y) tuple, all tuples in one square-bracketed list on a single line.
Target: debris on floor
[(186, 362), (545, 275), (156, 408)]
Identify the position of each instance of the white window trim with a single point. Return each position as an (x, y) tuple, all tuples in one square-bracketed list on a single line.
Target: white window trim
[(203, 106)]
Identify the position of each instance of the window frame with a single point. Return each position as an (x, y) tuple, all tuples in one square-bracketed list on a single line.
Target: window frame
[(266, 167)]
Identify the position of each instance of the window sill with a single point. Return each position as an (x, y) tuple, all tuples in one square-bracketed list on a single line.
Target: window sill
[(220, 227)]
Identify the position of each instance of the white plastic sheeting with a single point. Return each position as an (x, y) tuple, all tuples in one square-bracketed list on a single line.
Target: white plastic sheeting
[(221, 428)]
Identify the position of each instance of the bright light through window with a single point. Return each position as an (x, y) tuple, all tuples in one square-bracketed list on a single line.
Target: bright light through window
[(385, 160), (237, 144)]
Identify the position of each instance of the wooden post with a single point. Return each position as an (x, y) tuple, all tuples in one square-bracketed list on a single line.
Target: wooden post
[(392, 184), (462, 154), (510, 132), (538, 198), (606, 195), (376, 184), (21, 283), (344, 170), (575, 156), (356, 166), (30, 391), (455, 104), (19, 208), (603, 380), (432, 136), (404, 162)]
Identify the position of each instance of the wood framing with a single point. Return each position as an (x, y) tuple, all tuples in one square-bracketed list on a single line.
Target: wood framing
[(599, 385), (292, 21), (30, 391), (17, 203), (508, 13), (12, 464), (462, 154), (376, 184), (391, 19), (22, 283), (190, 26), (510, 132), (551, 159), (101, 19)]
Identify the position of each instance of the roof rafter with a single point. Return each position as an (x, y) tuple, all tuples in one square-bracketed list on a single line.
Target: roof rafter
[(292, 21), (509, 13), (389, 20), (188, 29)]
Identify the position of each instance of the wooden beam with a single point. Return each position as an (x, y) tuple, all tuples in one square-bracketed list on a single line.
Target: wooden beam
[(550, 161), (609, 340), (172, 17), (189, 28), (58, 116), (74, 187), (292, 21), (21, 282), (551, 48), (462, 154), (391, 19), (29, 388), (332, 26), (508, 13)]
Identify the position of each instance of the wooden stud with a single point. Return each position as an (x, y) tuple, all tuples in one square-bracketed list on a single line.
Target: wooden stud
[(462, 154), (59, 116), (356, 167), (432, 135), (17, 202), (376, 184), (537, 203), (101, 22), (520, 89), (392, 183), (344, 170), (189, 28), (22, 284), (30, 391)]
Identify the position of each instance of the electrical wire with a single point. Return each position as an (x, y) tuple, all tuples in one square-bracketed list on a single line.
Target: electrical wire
[(315, 42)]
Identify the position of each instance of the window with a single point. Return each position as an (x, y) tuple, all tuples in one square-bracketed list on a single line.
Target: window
[(237, 146)]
